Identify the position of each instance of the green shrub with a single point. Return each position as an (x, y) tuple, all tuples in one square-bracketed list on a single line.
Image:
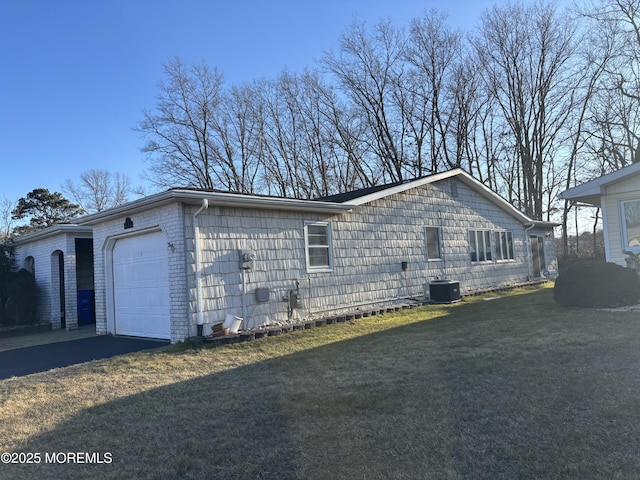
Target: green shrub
[(597, 285)]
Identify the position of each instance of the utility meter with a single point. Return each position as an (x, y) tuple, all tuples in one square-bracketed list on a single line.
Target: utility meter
[(295, 299), (247, 257)]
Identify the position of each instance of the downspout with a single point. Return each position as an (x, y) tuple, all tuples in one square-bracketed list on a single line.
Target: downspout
[(196, 256), (529, 254)]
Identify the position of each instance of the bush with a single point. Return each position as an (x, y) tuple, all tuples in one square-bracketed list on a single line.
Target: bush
[(597, 285), (18, 298), (569, 261)]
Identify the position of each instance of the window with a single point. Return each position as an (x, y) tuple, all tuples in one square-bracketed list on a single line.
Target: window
[(317, 239), (432, 236), (503, 242), (631, 224), (30, 265), (480, 245)]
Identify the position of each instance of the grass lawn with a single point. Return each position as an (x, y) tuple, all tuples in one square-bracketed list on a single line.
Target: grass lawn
[(511, 388)]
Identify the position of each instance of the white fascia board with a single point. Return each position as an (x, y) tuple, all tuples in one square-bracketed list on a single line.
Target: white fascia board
[(542, 224), (128, 208), (263, 203), (409, 184), (461, 175), (216, 199), (52, 231), (591, 191)]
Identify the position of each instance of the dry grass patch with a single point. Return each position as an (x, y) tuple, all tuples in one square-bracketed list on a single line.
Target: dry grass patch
[(510, 388)]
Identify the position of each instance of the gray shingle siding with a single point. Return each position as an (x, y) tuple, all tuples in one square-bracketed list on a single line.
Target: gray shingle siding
[(369, 245)]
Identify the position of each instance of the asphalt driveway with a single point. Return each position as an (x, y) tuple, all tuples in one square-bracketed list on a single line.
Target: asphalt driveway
[(40, 358)]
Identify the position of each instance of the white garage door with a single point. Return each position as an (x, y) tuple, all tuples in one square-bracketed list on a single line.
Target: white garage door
[(141, 286)]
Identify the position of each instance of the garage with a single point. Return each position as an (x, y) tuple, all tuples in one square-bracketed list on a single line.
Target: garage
[(141, 286)]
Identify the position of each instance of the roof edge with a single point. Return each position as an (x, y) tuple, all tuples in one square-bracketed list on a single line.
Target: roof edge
[(590, 192), (53, 230), (463, 176), (215, 199), (407, 185)]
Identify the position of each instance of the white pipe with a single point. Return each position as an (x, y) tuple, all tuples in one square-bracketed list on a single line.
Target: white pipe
[(196, 256), (441, 244), (529, 253), (244, 298)]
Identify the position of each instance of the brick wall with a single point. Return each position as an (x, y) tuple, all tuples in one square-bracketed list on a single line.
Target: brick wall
[(44, 253), (168, 219)]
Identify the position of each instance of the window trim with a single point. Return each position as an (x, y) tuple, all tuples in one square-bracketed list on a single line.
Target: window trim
[(499, 253), (307, 247), (426, 243), (623, 224), (486, 249)]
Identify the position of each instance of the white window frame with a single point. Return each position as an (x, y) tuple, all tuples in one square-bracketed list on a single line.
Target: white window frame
[(502, 239), (308, 247), (483, 240), (623, 224), (439, 241)]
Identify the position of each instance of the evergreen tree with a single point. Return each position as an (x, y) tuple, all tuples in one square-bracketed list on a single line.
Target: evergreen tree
[(43, 209)]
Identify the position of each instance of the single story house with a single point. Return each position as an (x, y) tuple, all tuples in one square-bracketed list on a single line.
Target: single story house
[(172, 264), (61, 259), (618, 196)]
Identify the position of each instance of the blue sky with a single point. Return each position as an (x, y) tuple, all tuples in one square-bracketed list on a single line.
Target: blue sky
[(76, 74)]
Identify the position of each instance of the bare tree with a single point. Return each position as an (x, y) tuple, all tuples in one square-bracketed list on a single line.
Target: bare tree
[(179, 132), (614, 110), (236, 140), (626, 15), (434, 50), (6, 218), (598, 47), (530, 72), (369, 69), (516, 105), (343, 133), (303, 148), (279, 140), (98, 189), (414, 95)]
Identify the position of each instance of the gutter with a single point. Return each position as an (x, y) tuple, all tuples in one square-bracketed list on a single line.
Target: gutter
[(196, 255), (194, 197)]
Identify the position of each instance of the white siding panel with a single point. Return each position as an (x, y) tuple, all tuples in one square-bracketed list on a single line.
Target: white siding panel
[(613, 216)]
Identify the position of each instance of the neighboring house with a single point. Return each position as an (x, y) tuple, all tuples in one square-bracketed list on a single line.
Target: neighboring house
[(173, 264), (61, 259), (618, 196)]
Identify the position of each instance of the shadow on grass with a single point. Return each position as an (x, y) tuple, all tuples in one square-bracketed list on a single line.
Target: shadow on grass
[(513, 388)]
